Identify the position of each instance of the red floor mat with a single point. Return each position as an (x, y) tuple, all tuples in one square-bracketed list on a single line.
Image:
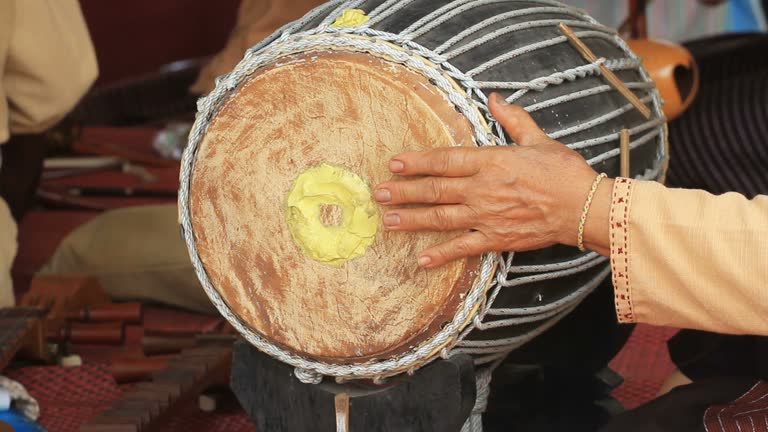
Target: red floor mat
[(644, 363)]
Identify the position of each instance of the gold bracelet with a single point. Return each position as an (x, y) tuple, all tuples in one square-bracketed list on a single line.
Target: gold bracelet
[(587, 205)]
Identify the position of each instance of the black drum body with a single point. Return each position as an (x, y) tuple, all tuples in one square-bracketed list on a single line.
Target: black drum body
[(515, 48)]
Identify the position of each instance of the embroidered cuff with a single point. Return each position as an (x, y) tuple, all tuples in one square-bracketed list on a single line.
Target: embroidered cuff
[(620, 244)]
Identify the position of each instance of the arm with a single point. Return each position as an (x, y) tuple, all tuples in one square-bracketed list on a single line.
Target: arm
[(681, 258), (49, 64), (692, 259)]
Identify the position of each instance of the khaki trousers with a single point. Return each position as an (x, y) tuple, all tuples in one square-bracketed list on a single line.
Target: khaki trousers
[(8, 246), (137, 253)]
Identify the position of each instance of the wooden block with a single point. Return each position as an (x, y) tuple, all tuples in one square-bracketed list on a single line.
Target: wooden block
[(139, 416), (67, 292), (159, 344), (59, 295), (106, 427), (151, 406), (624, 142), (129, 313), (172, 389), (92, 334), (21, 334), (225, 340), (104, 419), (205, 351), (199, 368), (139, 369), (183, 378), (162, 398)]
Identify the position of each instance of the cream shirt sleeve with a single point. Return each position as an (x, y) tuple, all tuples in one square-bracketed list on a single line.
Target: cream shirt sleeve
[(47, 63), (689, 259)]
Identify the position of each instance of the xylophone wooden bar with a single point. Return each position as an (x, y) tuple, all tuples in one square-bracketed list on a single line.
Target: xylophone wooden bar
[(129, 313), (22, 330), (148, 405)]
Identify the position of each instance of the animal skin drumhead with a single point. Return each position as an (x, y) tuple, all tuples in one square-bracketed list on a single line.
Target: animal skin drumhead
[(283, 213)]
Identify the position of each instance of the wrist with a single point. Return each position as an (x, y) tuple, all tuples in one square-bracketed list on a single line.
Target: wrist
[(572, 203), (597, 226)]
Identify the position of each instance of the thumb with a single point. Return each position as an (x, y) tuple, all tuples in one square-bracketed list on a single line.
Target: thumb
[(516, 121)]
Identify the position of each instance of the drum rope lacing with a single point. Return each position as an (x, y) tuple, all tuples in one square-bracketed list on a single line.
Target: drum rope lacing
[(497, 270)]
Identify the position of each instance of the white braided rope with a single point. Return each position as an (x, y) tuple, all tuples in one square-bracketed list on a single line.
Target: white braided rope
[(527, 49), (385, 10), (584, 71), (482, 25), (483, 377), (519, 27), (457, 7), (597, 120), (557, 78), (549, 103)]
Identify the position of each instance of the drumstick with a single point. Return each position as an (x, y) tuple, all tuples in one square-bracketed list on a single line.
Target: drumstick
[(624, 148), (614, 80), (342, 412)]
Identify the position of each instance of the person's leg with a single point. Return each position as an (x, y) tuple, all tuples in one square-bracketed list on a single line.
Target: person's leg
[(7, 224), (674, 380), (137, 254), (7, 254)]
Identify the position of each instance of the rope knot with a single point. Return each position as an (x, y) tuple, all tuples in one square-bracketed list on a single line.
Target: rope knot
[(308, 376)]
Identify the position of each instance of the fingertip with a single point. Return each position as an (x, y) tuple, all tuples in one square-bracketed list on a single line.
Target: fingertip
[(518, 123), (396, 166), (499, 100), (382, 194), (425, 261)]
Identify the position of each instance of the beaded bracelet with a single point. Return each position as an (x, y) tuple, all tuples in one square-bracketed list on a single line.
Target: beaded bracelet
[(585, 211)]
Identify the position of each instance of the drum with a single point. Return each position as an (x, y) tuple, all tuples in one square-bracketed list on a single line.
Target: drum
[(275, 198)]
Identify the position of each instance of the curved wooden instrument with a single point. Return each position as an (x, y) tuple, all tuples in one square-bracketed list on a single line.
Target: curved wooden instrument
[(671, 66)]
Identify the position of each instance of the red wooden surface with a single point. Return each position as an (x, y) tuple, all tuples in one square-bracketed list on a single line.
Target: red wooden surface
[(136, 37)]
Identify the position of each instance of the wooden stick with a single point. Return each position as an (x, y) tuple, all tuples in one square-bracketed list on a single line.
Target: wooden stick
[(342, 412), (624, 147), (611, 77)]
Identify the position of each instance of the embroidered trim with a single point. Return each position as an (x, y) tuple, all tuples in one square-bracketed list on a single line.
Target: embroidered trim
[(620, 244)]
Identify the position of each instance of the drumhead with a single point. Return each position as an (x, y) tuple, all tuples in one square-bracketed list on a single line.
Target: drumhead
[(283, 215)]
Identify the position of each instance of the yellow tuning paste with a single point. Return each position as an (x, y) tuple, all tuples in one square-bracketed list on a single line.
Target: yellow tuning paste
[(351, 18), (331, 214)]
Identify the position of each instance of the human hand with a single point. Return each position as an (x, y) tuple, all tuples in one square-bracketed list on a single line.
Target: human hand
[(514, 198)]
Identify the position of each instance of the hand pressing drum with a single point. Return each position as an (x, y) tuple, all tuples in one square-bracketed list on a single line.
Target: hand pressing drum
[(514, 198)]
